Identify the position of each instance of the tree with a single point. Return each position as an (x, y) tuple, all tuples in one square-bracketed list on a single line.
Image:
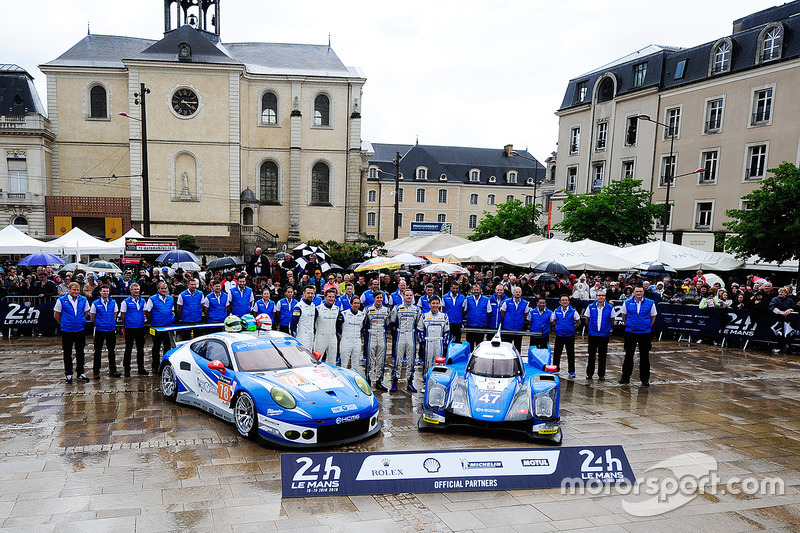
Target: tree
[(621, 213), (511, 220), (188, 243), (770, 224)]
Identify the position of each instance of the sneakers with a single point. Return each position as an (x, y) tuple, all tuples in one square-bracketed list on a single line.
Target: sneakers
[(97, 375), (393, 388), (776, 351), (69, 380), (380, 386), (572, 374), (410, 387), (623, 381), (83, 378), (115, 374), (143, 372)]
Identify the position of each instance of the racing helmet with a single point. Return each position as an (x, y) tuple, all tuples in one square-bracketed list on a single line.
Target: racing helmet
[(248, 322), (263, 321), (233, 324)]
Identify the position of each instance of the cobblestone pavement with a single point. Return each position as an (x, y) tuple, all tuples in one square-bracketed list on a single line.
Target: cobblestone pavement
[(112, 455)]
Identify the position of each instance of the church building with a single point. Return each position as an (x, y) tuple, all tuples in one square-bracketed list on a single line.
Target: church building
[(234, 143)]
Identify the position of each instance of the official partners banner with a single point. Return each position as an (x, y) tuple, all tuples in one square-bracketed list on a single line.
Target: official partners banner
[(351, 473)]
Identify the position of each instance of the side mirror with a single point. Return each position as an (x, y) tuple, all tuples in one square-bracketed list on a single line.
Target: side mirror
[(550, 368), (317, 355), (440, 360), (217, 365)]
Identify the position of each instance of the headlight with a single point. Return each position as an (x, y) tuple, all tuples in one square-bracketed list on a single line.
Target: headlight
[(459, 399), (544, 404), (437, 395), (283, 398), (520, 408), (363, 385)]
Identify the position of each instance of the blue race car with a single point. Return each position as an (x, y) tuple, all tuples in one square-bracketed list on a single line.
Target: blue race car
[(272, 388), (493, 387)]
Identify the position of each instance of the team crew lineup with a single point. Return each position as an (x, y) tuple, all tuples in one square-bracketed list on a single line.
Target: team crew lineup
[(345, 328)]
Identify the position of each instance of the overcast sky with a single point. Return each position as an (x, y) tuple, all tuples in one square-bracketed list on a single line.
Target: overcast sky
[(467, 72)]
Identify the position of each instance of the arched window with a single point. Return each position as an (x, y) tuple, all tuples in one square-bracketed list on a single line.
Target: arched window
[(98, 107), (21, 223), (770, 43), (268, 184), (605, 91), (320, 184), (247, 217), (322, 115), (721, 59), (269, 108)]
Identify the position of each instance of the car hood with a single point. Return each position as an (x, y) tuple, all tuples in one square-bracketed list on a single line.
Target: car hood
[(321, 384), (489, 398)]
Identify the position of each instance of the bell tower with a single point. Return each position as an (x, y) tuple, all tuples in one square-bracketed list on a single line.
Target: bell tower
[(196, 13)]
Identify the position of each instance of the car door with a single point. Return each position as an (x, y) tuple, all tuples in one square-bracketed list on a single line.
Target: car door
[(218, 388)]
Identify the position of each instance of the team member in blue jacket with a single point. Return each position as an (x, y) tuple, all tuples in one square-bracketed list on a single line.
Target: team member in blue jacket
[(189, 307), (104, 315), (283, 311), (241, 298), (566, 319), (215, 303), (159, 309), (638, 315), (397, 297), (540, 317), (514, 310), (345, 299), (599, 317), (495, 304), (476, 315), (367, 298), (454, 309), (265, 305), (71, 311), (131, 312)]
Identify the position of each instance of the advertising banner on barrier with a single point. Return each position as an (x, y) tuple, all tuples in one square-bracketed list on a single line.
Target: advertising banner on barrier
[(22, 314), (351, 473)]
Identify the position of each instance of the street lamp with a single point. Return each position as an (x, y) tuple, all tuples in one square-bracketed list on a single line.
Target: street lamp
[(668, 170), (139, 100), (535, 185)]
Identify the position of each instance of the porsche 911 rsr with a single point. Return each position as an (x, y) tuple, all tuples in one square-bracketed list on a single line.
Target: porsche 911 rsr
[(494, 387), (272, 388)]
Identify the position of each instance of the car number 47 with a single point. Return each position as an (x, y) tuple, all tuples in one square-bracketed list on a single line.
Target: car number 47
[(489, 398)]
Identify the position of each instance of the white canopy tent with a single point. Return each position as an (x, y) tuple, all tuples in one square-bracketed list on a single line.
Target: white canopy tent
[(132, 233), (528, 239), (425, 245), (13, 241), (572, 255), (756, 263), (679, 257), (76, 241), (489, 250)]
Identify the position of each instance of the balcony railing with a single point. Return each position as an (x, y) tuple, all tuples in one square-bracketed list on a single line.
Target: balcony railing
[(760, 117), (713, 126)]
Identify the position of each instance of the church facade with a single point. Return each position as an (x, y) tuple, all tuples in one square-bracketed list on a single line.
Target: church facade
[(245, 142)]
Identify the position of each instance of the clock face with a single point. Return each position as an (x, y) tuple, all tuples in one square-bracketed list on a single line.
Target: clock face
[(185, 102)]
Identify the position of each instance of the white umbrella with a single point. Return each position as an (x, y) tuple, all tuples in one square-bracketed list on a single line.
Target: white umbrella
[(444, 268), (409, 259), (186, 265)]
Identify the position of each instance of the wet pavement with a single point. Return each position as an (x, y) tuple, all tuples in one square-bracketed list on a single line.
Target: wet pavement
[(113, 455)]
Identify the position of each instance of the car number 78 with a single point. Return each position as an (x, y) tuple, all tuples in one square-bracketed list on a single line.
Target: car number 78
[(489, 398)]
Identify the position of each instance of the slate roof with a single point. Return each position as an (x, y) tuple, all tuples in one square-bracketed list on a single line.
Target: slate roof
[(109, 51), (455, 162), (18, 94), (662, 61)]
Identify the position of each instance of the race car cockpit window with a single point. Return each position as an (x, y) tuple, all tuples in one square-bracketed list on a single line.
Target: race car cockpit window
[(266, 356), (216, 351), (495, 367)]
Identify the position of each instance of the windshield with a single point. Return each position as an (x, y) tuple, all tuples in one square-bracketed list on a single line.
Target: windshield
[(492, 367), (264, 355)]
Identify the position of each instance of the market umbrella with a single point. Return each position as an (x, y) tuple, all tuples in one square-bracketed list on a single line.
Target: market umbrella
[(444, 268), (104, 266), (279, 256), (544, 276), (406, 273), (72, 267), (177, 256), (378, 263), (225, 262), (410, 259), (552, 267), (186, 265), (657, 267), (40, 259), (302, 253), (336, 268)]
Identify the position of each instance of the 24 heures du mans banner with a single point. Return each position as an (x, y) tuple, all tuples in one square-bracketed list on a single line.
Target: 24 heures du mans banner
[(352, 473)]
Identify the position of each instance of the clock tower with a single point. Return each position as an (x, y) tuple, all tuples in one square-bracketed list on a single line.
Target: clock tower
[(202, 15)]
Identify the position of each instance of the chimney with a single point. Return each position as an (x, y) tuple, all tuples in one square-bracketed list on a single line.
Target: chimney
[(508, 148)]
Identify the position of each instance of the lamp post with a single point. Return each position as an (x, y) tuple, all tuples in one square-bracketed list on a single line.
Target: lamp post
[(396, 193), (535, 185), (140, 101)]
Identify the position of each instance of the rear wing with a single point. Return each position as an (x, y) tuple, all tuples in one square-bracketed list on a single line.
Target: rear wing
[(170, 330)]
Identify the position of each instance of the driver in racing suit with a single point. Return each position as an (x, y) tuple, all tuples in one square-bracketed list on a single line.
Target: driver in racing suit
[(348, 327), (325, 340), (404, 319), (433, 333), (375, 324), (304, 317)]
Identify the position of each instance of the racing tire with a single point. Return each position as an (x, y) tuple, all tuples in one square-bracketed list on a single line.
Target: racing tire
[(245, 416), (169, 382)]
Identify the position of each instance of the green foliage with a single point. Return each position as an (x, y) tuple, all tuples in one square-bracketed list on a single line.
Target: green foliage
[(511, 220), (771, 224), (188, 243), (343, 254), (620, 214)]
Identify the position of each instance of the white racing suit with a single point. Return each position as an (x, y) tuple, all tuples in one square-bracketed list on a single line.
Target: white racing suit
[(325, 341), (434, 334), (348, 326), (304, 317), (375, 325), (404, 319)]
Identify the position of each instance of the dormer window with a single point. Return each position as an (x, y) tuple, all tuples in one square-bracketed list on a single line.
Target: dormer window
[(721, 56), (492, 179), (474, 175), (529, 181), (422, 173), (511, 177), (770, 43), (443, 177), (184, 52)]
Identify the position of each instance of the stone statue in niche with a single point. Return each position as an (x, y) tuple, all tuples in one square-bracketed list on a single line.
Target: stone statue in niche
[(185, 192), (296, 102)]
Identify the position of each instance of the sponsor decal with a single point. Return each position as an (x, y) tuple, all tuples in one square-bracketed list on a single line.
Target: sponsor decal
[(536, 462), (274, 412), (346, 419), (344, 408), (468, 465), (429, 419)]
